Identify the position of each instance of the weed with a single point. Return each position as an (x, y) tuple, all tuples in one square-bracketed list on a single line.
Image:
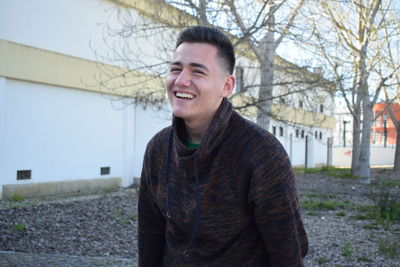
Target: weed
[(123, 218), (19, 227), (319, 195), (318, 204), (371, 226), (364, 216), (341, 213), (347, 250), (311, 170), (387, 204), (17, 198), (392, 183), (337, 172), (371, 236), (108, 190), (388, 248), (364, 259), (322, 260)]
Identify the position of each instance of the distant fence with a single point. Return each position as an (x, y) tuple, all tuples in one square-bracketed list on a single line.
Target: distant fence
[(380, 156)]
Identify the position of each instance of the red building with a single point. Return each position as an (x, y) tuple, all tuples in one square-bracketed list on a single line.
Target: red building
[(383, 129)]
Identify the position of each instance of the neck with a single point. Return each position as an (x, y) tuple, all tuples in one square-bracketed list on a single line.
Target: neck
[(197, 129)]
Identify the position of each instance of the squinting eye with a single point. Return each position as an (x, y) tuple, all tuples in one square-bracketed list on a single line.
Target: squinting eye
[(198, 72), (174, 70)]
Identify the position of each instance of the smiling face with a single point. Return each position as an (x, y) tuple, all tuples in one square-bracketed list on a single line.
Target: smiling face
[(197, 82)]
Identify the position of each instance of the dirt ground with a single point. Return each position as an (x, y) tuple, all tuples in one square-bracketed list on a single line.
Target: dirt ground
[(336, 213)]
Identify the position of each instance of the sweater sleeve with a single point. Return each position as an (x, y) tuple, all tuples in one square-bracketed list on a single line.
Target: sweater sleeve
[(151, 233), (274, 197)]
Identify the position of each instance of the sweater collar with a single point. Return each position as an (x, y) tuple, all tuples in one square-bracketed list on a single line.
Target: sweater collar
[(211, 140)]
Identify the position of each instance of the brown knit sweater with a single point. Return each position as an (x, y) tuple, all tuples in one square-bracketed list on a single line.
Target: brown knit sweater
[(230, 202)]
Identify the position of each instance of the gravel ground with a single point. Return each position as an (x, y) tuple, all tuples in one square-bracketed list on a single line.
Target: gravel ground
[(105, 224)]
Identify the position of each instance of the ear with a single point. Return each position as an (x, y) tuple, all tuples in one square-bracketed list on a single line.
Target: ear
[(228, 86)]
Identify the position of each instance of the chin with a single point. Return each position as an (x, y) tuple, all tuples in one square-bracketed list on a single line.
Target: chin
[(180, 114)]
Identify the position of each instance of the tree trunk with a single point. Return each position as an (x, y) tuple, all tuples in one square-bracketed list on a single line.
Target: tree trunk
[(265, 96), (365, 151), (267, 52), (396, 163), (355, 157)]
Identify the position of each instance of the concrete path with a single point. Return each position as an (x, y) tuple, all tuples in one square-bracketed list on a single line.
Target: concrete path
[(17, 259)]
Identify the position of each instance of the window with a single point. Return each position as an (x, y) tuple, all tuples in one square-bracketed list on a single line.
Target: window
[(320, 135), (239, 79), (104, 170), (297, 133), (321, 108), (300, 104), (302, 133), (24, 174), (316, 134), (273, 130), (280, 131)]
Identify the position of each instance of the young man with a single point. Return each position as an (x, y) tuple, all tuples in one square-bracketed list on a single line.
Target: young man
[(216, 189)]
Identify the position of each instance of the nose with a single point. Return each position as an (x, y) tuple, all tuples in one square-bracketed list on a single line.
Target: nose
[(183, 80)]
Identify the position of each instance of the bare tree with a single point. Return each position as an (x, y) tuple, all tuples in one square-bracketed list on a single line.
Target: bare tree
[(257, 28), (349, 36), (392, 90)]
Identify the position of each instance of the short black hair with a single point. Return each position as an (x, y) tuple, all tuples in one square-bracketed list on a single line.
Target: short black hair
[(212, 36)]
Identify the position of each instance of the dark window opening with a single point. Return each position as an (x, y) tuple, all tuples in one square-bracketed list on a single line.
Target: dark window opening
[(104, 170), (24, 174)]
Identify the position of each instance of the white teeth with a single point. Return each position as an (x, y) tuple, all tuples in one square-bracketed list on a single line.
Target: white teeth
[(184, 95)]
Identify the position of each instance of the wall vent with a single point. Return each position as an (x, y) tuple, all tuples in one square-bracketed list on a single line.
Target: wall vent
[(104, 170), (24, 174)]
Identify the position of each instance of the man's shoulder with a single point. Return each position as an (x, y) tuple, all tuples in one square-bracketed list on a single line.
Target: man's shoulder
[(159, 139), (252, 130), (257, 140)]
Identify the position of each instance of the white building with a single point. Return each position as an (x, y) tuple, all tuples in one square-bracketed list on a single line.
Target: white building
[(62, 131)]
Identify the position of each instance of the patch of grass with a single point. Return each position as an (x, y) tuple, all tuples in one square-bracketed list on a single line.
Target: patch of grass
[(326, 205), (387, 203), (328, 170), (17, 198), (364, 216), (311, 170), (340, 214), (319, 195), (347, 250), (364, 259), (108, 190), (388, 248), (19, 227), (322, 260), (392, 183), (123, 218), (371, 236), (337, 172), (370, 226)]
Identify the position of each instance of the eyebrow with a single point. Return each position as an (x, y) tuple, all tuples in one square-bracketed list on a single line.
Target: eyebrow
[(193, 64)]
